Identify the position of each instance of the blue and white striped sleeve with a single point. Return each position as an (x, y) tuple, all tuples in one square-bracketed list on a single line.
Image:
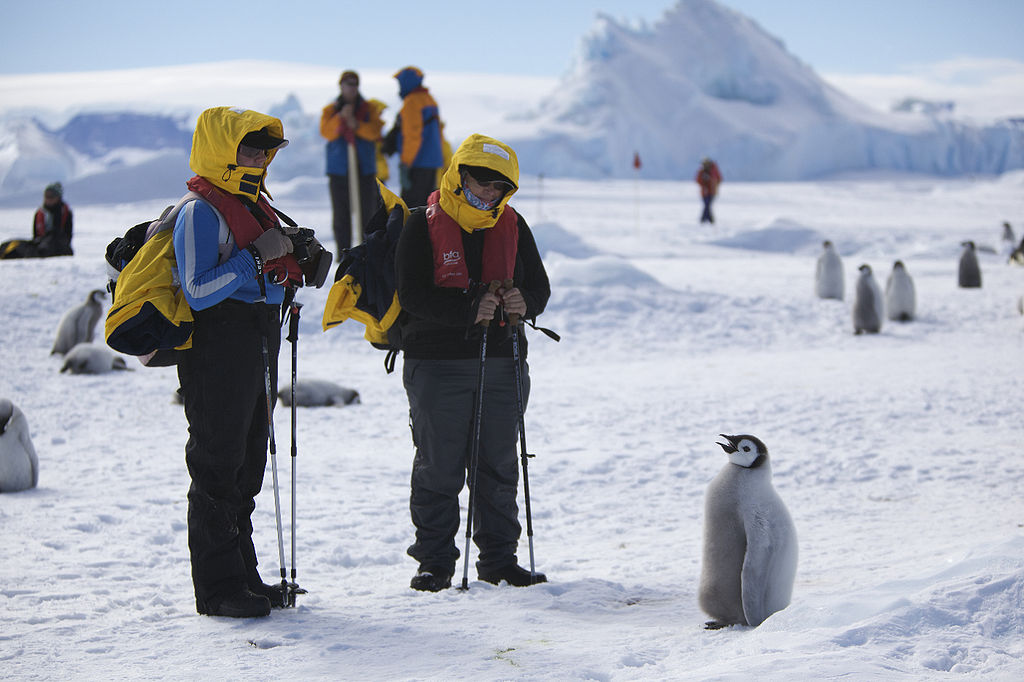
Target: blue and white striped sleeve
[(204, 281)]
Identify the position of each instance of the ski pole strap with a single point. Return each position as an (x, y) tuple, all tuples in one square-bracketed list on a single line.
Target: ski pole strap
[(547, 332)]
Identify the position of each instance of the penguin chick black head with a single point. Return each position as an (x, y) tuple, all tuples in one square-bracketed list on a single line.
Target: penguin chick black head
[(6, 412), (865, 269), (745, 451)]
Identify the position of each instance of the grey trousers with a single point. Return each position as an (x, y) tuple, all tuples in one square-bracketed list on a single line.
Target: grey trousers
[(442, 411)]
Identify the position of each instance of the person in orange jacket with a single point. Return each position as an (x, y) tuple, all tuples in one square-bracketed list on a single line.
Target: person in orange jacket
[(709, 178), (350, 120)]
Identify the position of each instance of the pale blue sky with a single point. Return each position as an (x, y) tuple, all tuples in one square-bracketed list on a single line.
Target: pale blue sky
[(529, 37)]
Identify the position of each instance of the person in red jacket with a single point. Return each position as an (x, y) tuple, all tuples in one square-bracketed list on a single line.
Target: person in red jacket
[(51, 226), (709, 178)]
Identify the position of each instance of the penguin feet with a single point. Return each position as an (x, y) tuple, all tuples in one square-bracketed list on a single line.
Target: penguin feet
[(715, 625)]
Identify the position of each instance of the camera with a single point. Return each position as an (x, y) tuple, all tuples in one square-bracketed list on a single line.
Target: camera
[(312, 257)]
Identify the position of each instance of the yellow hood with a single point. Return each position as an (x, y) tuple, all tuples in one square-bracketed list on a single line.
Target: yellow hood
[(215, 149), (477, 150)]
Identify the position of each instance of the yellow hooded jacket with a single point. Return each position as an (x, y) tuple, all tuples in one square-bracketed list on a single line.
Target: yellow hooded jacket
[(477, 150), (215, 149), (345, 299), (149, 311)]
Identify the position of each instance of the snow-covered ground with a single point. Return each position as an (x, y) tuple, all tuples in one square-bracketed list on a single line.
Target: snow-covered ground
[(898, 455)]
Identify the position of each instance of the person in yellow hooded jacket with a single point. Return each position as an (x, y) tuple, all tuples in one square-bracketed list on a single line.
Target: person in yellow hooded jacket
[(449, 252), (234, 265)]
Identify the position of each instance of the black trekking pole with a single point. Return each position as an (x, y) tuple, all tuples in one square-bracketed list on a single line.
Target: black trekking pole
[(293, 338), (517, 369), (475, 453)]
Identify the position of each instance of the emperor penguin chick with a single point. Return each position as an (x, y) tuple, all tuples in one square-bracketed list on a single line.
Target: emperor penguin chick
[(78, 324), (900, 297), (828, 274), (970, 271), (88, 358), (867, 303), (19, 465), (750, 546)]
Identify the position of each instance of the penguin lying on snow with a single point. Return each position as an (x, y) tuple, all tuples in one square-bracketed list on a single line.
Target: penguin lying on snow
[(19, 465), (88, 358), (750, 547), (867, 303), (318, 393), (78, 324)]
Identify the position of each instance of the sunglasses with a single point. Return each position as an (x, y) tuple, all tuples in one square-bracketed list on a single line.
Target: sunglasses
[(500, 185)]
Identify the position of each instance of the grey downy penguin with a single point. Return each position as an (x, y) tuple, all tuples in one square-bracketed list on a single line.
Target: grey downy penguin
[(19, 465), (867, 303), (750, 544), (318, 393), (78, 325), (88, 358), (828, 274), (900, 297), (970, 271)]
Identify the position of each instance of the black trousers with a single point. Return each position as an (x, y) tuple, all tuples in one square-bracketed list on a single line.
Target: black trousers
[(707, 216), (422, 181), (442, 409), (342, 209), (223, 388)]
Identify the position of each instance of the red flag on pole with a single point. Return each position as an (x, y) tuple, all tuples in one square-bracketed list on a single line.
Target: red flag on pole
[(636, 160)]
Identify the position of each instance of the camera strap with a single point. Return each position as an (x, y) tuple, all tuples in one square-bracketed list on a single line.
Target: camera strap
[(283, 216)]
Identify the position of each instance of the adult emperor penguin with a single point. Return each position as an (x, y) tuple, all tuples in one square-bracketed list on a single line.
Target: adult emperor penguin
[(750, 546), (970, 271), (900, 297), (78, 324), (19, 465), (828, 275), (867, 303), (88, 358)]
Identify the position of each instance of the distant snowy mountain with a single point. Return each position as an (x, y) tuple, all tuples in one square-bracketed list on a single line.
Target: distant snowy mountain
[(707, 81), (702, 81)]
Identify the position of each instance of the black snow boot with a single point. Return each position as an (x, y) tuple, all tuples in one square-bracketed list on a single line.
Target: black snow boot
[(431, 581), (276, 593), (239, 604), (514, 575)]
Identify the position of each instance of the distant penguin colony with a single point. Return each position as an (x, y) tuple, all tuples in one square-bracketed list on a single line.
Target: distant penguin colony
[(970, 271), (750, 544), (87, 358), (828, 276), (78, 325), (900, 297), (867, 303), (19, 465), (318, 393)]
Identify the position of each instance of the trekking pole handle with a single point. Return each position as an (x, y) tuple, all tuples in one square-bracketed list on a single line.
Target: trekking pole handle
[(513, 318), (491, 288)]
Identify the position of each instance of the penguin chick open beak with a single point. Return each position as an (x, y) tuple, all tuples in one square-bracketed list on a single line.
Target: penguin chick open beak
[(729, 447)]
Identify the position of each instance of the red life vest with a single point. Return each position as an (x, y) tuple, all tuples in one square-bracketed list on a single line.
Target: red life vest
[(501, 242), (245, 227), (40, 221)]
